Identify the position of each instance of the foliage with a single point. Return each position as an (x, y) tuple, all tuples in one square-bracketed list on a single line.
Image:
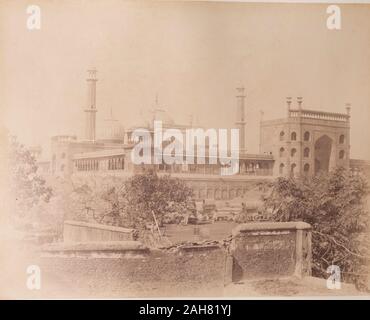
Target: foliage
[(129, 203), (90, 198), (149, 195), (28, 187), (334, 205)]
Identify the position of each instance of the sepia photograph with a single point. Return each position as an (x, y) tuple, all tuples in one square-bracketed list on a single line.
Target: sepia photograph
[(184, 150)]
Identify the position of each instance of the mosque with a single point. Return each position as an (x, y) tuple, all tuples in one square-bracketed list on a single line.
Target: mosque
[(305, 142)]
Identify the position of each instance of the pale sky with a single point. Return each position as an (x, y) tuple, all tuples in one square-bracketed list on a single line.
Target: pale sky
[(193, 55)]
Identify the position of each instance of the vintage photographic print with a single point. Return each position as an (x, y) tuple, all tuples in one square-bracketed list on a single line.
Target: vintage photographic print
[(184, 149)]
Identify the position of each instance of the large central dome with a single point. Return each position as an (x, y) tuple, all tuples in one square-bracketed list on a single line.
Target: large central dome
[(162, 115), (111, 130)]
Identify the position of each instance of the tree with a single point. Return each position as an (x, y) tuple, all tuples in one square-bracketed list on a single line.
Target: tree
[(28, 187), (334, 205), (150, 197), (137, 202), (144, 200), (91, 198)]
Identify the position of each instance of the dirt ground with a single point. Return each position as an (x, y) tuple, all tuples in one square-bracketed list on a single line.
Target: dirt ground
[(290, 287)]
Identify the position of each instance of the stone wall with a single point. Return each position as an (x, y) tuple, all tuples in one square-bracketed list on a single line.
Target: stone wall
[(270, 249), (223, 188), (130, 270), (205, 186), (78, 231)]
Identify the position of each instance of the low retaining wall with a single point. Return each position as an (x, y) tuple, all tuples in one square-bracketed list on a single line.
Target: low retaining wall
[(118, 269), (104, 249), (129, 269), (78, 231), (270, 249)]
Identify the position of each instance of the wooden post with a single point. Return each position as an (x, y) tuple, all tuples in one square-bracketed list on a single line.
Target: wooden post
[(156, 223)]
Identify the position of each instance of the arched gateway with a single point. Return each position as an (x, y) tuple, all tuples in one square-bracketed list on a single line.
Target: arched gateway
[(323, 149)]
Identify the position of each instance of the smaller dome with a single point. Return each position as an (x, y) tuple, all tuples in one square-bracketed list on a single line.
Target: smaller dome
[(111, 130)]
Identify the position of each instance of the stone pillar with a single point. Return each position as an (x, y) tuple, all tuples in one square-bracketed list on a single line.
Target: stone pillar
[(270, 250), (288, 102)]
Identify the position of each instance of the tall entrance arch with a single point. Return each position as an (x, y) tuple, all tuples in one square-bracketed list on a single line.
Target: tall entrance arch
[(323, 148)]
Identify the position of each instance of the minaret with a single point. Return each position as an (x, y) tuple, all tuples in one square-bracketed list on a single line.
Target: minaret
[(240, 117), (90, 124)]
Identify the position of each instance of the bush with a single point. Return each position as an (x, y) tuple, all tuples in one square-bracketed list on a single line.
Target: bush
[(334, 205)]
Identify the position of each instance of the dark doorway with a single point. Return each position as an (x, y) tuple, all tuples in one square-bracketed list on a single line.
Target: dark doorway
[(322, 154)]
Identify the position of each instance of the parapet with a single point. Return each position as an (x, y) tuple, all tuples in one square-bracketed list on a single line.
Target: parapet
[(270, 250)]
